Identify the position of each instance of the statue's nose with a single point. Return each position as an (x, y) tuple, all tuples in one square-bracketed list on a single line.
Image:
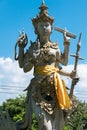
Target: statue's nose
[(44, 27)]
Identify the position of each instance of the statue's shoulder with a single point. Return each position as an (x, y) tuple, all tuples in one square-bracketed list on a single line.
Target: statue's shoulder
[(32, 45), (54, 45)]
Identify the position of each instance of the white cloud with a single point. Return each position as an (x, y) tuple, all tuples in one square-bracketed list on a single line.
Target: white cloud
[(81, 86), (14, 78)]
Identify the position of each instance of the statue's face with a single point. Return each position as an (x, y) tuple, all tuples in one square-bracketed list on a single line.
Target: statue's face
[(44, 28)]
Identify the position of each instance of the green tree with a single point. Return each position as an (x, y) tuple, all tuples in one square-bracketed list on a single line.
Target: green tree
[(17, 106), (78, 118)]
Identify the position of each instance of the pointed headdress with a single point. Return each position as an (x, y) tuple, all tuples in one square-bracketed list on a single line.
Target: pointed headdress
[(42, 16)]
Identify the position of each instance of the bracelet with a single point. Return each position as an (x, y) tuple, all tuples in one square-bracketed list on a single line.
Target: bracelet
[(66, 43)]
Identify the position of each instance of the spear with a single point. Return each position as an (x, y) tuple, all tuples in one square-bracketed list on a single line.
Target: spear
[(77, 57)]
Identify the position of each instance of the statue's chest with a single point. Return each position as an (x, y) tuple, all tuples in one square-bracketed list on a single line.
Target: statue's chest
[(44, 54), (48, 51), (47, 54)]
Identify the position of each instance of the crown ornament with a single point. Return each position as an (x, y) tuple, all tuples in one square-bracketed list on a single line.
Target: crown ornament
[(42, 16)]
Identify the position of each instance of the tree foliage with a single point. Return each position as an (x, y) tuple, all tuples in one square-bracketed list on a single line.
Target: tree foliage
[(78, 118), (17, 106)]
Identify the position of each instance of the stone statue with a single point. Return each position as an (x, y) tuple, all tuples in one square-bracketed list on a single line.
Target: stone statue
[(47, 95)]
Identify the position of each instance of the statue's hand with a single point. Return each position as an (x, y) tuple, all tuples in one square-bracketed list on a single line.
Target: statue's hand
[(74, 77), (66, 38), (22, 40), (6, 122), (75, 80)]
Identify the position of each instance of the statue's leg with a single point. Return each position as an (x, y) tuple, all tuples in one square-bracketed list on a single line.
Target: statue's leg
[(58, 120), (54, 121), (47, 122), (44, 122), (37, 111)]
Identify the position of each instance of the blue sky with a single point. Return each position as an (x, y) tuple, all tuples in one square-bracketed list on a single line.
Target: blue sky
[(16, 15)]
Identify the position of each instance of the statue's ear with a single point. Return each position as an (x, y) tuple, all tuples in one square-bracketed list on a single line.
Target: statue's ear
[(36, 32), (51, 29)]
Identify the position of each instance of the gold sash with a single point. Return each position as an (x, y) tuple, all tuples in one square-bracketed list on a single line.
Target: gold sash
[(59, 84)]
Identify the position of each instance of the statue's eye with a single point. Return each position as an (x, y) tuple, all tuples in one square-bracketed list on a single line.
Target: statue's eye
[(47, 24)]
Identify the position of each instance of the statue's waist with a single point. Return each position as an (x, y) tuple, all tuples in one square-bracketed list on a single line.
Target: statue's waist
[(45, 70)]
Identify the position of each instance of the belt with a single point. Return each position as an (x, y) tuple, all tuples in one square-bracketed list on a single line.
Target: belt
[(60, 87)]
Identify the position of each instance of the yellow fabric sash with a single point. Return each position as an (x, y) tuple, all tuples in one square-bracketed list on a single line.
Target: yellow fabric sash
[(59, 84)]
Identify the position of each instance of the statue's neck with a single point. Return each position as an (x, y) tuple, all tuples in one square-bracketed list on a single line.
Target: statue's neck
[(44, 39)]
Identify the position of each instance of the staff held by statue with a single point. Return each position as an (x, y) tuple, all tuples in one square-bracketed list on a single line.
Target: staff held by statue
[(77, 57)]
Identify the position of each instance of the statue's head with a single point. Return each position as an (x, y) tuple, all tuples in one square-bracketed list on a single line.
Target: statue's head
[(42, 19)]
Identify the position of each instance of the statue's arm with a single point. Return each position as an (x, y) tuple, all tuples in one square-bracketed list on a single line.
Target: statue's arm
[(24, 60), (64, 73), (64, 56), (23, 57), (68, 74)]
